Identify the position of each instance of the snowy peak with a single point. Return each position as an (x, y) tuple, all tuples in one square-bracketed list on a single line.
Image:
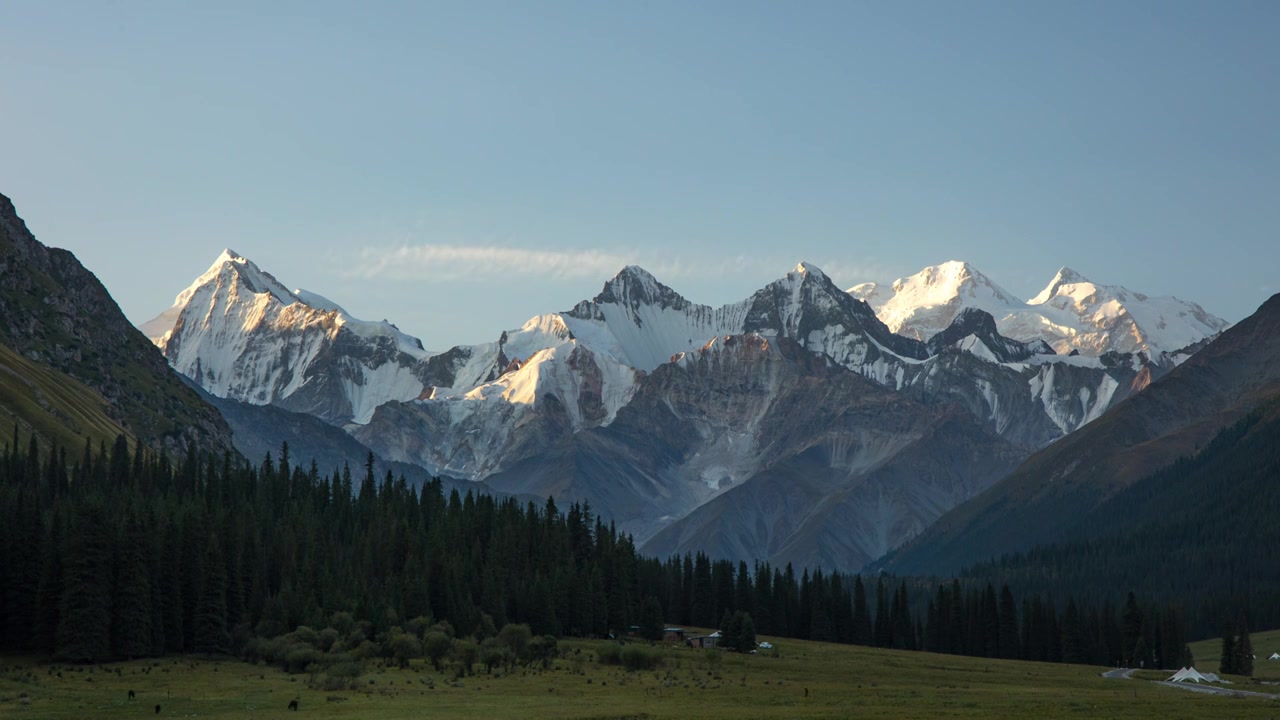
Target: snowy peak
[(242, 334), (1071, 313), (924, 304), (805, 268), (1066, 276), (1107, 318), (634, 286), (231, 264), (950, 279)]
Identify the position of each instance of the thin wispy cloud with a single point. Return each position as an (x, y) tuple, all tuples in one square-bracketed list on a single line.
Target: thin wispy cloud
[(472, 262)]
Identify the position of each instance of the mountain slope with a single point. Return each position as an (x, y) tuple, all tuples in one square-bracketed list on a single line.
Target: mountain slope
[(702, 430), (55, 313), (1071, 313), (1173, 417), (56, 407), (1198, 531)]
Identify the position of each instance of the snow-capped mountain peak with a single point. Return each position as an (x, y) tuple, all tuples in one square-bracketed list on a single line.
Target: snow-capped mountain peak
[(1101, 318), (805, 268), (243, 334), (926, 303), (1065, 276), (1071, 313)]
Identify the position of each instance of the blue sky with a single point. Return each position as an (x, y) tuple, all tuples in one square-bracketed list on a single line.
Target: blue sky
[(456, 168)]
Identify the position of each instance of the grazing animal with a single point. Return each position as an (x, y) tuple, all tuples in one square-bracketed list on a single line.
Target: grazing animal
[(132, 695), (293, 705), (157, 709)]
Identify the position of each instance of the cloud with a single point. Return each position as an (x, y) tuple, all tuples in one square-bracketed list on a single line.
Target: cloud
[(467, 262), (471, 262)]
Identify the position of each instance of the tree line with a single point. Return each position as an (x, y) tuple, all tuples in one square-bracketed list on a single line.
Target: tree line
[(123, 552)]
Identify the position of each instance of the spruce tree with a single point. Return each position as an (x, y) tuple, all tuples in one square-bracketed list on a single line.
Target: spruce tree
[(1244, 650), (210, 631), (1227, 659), (1008, 625), (1132, 627), (84, 612), (131, 599)]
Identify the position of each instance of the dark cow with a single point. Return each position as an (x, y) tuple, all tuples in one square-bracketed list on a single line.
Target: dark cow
[(157, 709), (293, 705), (132, 695)]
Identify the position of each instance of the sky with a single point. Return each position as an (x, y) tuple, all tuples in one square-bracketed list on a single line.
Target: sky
[(459, 167)]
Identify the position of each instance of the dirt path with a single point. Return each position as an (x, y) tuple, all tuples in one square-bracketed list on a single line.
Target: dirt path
[(1127, 674)]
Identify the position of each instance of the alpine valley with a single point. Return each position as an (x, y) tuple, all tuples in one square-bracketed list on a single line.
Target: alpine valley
[(803, 424)]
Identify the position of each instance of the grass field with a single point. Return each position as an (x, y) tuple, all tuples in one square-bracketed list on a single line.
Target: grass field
[(1207, 653), (804, 680)]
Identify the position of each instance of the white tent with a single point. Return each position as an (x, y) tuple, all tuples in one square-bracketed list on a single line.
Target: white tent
[(1274, 656), (1186, 674), (1212, 677)]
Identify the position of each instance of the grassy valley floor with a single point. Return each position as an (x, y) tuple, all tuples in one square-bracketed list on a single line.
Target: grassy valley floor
[(1208, 652), (803, 680)]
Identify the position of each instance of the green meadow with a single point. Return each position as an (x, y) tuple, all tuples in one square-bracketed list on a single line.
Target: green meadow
[(798, 680), (1207, 653)]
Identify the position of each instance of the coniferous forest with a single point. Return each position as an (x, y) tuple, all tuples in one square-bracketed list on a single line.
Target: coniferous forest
[(1200, 531), (117, 553)]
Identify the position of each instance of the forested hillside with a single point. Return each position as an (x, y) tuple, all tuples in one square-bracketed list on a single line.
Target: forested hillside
[(1201, 531), (123, 553)]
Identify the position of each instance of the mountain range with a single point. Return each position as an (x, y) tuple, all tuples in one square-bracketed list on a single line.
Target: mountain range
[(794, 425)]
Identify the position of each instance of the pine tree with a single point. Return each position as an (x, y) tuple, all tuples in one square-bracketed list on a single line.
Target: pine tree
[(1132, 626), (49, 595), (210, 631), (84, 613), (1243, 664), (1009, 646), (131, 606), (1227, 660), (861, 614)]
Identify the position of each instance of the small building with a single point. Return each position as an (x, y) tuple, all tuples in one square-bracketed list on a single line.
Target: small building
[(672, 634), (704, 641)]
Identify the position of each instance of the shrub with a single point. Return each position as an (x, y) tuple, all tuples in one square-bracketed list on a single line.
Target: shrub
[(404, 647), (516, 638), (366, 650), (342, 622), (636, 657), (494, 655), (437, 647), (609, 655), (544, 650), (304, 635), (300, 657), (326, 639), (255, 650), (467, 653)]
